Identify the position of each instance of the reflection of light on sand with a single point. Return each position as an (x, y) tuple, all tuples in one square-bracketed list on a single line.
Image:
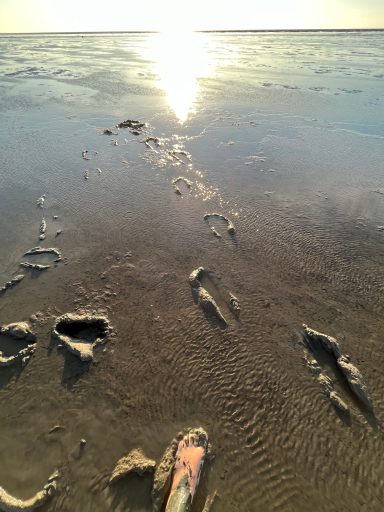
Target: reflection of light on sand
[(180, 59)]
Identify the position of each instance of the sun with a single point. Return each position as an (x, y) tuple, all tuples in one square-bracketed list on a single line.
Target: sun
[(180, 58)]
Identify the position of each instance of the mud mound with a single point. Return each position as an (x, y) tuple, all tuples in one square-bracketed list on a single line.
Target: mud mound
[(134, 462)]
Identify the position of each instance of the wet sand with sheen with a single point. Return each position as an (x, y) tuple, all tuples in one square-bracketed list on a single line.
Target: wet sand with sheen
[(283, 137)]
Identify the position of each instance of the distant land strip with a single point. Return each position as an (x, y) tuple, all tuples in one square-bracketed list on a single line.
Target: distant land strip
[(211, 31)]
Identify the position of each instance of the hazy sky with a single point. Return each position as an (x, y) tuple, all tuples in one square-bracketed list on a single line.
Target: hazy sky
[(104, 15)]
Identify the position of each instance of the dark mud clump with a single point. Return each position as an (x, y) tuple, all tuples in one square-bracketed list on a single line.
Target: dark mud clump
[(135, 127), (107, 131), (81, 333)]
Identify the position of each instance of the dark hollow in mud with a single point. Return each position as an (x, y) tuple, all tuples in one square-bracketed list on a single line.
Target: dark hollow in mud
[(10, 346), (133, 492), (81, 330), (41, 259)]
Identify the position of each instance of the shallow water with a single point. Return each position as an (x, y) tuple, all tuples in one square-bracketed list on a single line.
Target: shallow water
[(282, 133)]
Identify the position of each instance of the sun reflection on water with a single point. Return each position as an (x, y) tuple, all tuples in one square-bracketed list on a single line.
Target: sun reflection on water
[(180, 59)]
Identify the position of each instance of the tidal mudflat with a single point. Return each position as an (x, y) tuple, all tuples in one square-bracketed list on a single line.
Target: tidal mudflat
[(190, 176)]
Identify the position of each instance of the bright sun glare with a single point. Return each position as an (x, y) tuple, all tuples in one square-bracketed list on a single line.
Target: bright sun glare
[(180, 59)]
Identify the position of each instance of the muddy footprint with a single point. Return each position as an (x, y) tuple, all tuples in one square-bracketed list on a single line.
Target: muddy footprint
[(181, 156), (17, 344), (212, 296), (177, 181), (326, 383), (81, 333), (325, 352), (209, 217), (155, 140), (45, 253)]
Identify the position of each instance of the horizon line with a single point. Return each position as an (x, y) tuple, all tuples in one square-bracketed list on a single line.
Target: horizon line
[(200, 31)]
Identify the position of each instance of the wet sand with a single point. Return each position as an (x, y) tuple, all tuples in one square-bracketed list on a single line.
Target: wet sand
[(292, 154)]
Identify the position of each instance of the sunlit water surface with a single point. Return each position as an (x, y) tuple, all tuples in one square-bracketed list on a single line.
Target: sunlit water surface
[(282, 133)]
